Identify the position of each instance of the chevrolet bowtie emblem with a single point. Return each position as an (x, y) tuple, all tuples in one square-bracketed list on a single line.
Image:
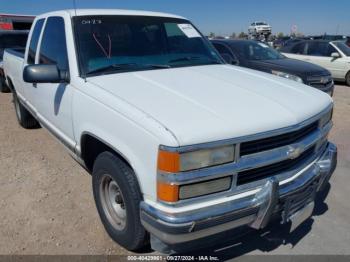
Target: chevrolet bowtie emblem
[(294, 153), (324, 80)]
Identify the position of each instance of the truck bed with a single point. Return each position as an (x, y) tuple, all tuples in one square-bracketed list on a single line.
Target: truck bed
[(13, 66)]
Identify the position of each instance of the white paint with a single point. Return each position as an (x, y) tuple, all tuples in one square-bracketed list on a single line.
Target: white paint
[(136, 112)]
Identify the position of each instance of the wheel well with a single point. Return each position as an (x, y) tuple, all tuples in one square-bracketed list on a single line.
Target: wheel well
[(91, 147), (10, 84)]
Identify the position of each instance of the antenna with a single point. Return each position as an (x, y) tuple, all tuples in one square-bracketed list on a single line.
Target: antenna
[(75, 7)]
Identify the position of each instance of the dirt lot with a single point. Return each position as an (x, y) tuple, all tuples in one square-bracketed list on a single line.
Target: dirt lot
[(46, 203)]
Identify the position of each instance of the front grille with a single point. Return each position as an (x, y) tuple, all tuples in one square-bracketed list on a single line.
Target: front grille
[(322, 86), (320, 82), (264, 144), (256, 174)]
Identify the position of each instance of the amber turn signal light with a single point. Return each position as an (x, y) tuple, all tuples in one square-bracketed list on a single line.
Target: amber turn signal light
[(168, 161), (167, 192)]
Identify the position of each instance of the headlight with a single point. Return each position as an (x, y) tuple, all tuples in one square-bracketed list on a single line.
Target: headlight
[(288, 76), (206, 158), (326, 118), (178, 162), (172, 161)]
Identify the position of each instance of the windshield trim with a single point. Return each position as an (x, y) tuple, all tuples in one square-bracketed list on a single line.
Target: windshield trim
[(143, 69), (183, 20)]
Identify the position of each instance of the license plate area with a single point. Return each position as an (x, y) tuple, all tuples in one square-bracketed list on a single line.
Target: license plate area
[(300, 216), (299, 203)]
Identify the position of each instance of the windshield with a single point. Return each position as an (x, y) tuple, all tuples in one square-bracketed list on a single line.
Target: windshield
[(261, 23), (343, 47), (130, 43), (258, 51)]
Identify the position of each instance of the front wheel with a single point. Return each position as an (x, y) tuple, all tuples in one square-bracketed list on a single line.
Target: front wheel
[(117, 196), (3, 87), (347, 78)]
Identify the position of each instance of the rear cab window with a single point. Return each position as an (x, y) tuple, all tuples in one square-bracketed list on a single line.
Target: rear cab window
[(34, 41)]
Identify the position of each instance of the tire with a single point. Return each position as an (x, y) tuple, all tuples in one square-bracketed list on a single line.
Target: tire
[(347, 79), (117, 196), (3, 87), (24, 118)]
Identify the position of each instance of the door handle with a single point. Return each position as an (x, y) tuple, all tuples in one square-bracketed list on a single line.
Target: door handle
[(34, 85)]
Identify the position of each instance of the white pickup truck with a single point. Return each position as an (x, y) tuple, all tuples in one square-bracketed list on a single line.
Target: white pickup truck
[(180, 145)]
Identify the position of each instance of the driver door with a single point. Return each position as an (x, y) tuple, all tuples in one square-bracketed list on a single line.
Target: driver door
[(53, 100)]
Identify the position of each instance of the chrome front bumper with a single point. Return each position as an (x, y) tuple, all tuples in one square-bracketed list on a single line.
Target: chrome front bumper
[(254, 210)]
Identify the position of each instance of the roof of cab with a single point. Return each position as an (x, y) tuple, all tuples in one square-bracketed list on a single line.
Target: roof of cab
[(83, 12)]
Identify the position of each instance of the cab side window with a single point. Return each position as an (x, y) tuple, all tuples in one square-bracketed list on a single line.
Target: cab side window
[(320, 49), (34, 41), (53, 48)]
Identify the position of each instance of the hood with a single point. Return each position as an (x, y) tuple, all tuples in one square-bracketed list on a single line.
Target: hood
[(293, 66), (208, 103)]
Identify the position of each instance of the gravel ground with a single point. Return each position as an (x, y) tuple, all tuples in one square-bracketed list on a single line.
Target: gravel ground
[(47, 207)]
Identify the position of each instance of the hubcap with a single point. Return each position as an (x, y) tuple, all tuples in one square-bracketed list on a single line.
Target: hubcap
[(113, 202)]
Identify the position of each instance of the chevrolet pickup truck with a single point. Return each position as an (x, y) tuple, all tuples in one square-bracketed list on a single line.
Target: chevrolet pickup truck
[(180, 145)]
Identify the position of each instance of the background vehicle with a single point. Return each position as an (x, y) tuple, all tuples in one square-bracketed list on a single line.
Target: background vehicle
[(259, 30), (10, 39), (347, 42), (281, 41), (260, 56), (330, 37), (180, 145), (334, 56), (15, 22)]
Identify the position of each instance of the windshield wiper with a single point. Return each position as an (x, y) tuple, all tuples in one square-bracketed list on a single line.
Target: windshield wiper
[(156, 66), (193, 58), (185, 58), (113, 67), (126, 66)]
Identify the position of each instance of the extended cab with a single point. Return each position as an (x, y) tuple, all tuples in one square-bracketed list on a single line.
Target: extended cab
[(180, 145)]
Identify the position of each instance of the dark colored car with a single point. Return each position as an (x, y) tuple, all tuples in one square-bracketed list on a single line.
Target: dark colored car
[(259, 56), (281, 41), (10, 39)]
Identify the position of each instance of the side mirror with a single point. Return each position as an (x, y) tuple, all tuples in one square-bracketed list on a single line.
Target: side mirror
[(335, 55), (229, 59), (44, 74)]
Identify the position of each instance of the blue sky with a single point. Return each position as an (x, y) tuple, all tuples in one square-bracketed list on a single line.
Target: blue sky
[(221, 16)]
